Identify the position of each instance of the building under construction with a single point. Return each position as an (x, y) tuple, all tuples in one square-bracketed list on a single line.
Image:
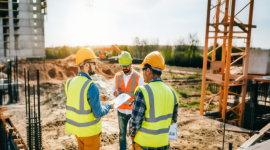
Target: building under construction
[(22, 28)]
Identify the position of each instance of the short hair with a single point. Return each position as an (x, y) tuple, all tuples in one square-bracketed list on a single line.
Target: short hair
[(155, 72)]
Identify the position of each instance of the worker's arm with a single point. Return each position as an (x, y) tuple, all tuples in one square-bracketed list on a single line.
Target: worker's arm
[(94, 102), (175, 113), (137, 115), (113, 86)]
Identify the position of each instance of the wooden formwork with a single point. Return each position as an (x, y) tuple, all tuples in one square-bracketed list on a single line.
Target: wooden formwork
[(13, 134)]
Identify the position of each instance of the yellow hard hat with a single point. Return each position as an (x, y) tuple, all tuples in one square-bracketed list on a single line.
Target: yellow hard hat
[(83, 54), (155, 59), (125, 59)]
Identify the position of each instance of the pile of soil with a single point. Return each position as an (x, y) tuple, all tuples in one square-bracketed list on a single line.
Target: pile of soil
[(60, 70)]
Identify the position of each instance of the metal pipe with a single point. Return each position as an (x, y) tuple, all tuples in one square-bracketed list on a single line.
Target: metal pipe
[(39, 122), (205, 58), (25, 92), (246, 61), (224, 47), (29, 116), (17, 93), (216, 31), (228, 61), (38, 92), (34, 100), (13, 85), (224, 131)]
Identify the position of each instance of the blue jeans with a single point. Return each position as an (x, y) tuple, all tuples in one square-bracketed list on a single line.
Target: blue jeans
[(122, 122)]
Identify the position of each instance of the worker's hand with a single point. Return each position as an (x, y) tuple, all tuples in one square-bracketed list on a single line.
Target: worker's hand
[(112, 106), (131, 103), (116, 93), (103, 98), (132, 138)]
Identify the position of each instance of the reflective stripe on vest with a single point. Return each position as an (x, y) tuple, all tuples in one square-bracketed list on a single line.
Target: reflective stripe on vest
[(69, 83), (152, 115), (86, 124), (132, 84), (81, 111)]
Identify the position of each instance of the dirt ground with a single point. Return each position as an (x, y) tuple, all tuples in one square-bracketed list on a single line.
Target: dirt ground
[(194, 131)]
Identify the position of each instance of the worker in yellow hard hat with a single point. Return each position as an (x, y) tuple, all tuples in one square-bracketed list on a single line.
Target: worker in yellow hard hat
[(126, 82), (84, 111), (155, 107)]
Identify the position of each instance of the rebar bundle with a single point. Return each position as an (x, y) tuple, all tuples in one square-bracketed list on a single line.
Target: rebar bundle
[(33, 129)]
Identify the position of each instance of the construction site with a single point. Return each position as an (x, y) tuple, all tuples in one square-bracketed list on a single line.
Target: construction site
[(225, 105)]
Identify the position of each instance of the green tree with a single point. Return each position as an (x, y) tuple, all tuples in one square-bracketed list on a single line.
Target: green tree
[(63, 52), (50, 53)]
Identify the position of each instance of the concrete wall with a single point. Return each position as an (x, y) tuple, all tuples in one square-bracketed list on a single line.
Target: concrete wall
[(26, 30), (259, 62)]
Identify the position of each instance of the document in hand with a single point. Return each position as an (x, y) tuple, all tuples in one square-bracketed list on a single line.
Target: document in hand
[(121, 99), (173, 132)]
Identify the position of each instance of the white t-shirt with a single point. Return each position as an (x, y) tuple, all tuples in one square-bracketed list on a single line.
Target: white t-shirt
[(126, 79)]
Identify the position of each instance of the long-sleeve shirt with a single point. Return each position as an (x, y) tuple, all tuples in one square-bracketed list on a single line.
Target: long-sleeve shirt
[(126, 79), (93, 99), (138, 116)]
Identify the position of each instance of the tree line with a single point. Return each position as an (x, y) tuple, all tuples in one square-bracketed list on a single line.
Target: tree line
[(185, 52)]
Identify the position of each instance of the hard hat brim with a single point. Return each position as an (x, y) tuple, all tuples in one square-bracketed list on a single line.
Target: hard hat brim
[(141, 65)]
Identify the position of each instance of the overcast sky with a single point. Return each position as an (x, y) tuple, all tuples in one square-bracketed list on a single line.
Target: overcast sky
[(107, 22)]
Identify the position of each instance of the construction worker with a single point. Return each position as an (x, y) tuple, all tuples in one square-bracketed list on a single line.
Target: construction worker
[(125, 82), (155, 107), (106, 54), (84, 111)]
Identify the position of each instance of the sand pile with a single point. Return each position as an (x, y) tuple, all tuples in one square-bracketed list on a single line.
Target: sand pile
[(62, 69)]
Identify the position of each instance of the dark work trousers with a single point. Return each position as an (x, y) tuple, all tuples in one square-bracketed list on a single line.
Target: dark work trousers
[(122, 122)]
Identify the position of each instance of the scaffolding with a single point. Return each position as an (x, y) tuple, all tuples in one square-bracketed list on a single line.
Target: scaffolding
[(227, 30)]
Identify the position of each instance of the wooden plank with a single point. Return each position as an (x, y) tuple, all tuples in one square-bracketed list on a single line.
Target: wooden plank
[(238, 48), (255, 138), (222, 37), (261, 146), (216, 78), (228, 32), (237, 54), (262, 80)]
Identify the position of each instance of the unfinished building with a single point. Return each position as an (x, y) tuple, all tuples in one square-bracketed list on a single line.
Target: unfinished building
[(22, 29)]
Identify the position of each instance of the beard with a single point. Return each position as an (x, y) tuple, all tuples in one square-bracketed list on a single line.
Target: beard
[(126, 70), (90, 72)]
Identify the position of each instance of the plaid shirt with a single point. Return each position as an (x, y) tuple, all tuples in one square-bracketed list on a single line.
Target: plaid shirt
[(138, 113)]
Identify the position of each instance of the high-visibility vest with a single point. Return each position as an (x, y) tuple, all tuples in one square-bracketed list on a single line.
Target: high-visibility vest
[(160, 100), (131, 86), (79, 117)]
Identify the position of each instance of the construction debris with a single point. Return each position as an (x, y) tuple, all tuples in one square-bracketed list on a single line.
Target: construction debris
[(255, 138), (10, 137)]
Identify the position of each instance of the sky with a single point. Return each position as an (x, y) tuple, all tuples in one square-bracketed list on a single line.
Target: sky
[(107, 22)]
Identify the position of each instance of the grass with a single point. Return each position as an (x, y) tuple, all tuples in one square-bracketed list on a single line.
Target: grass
[(212, 107), (194, 104), (175, 76), (184, 94), (193, 76), (188, 91)]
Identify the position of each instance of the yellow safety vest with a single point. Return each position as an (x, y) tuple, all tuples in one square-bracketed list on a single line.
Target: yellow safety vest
[(79, 118), (160, 100)]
